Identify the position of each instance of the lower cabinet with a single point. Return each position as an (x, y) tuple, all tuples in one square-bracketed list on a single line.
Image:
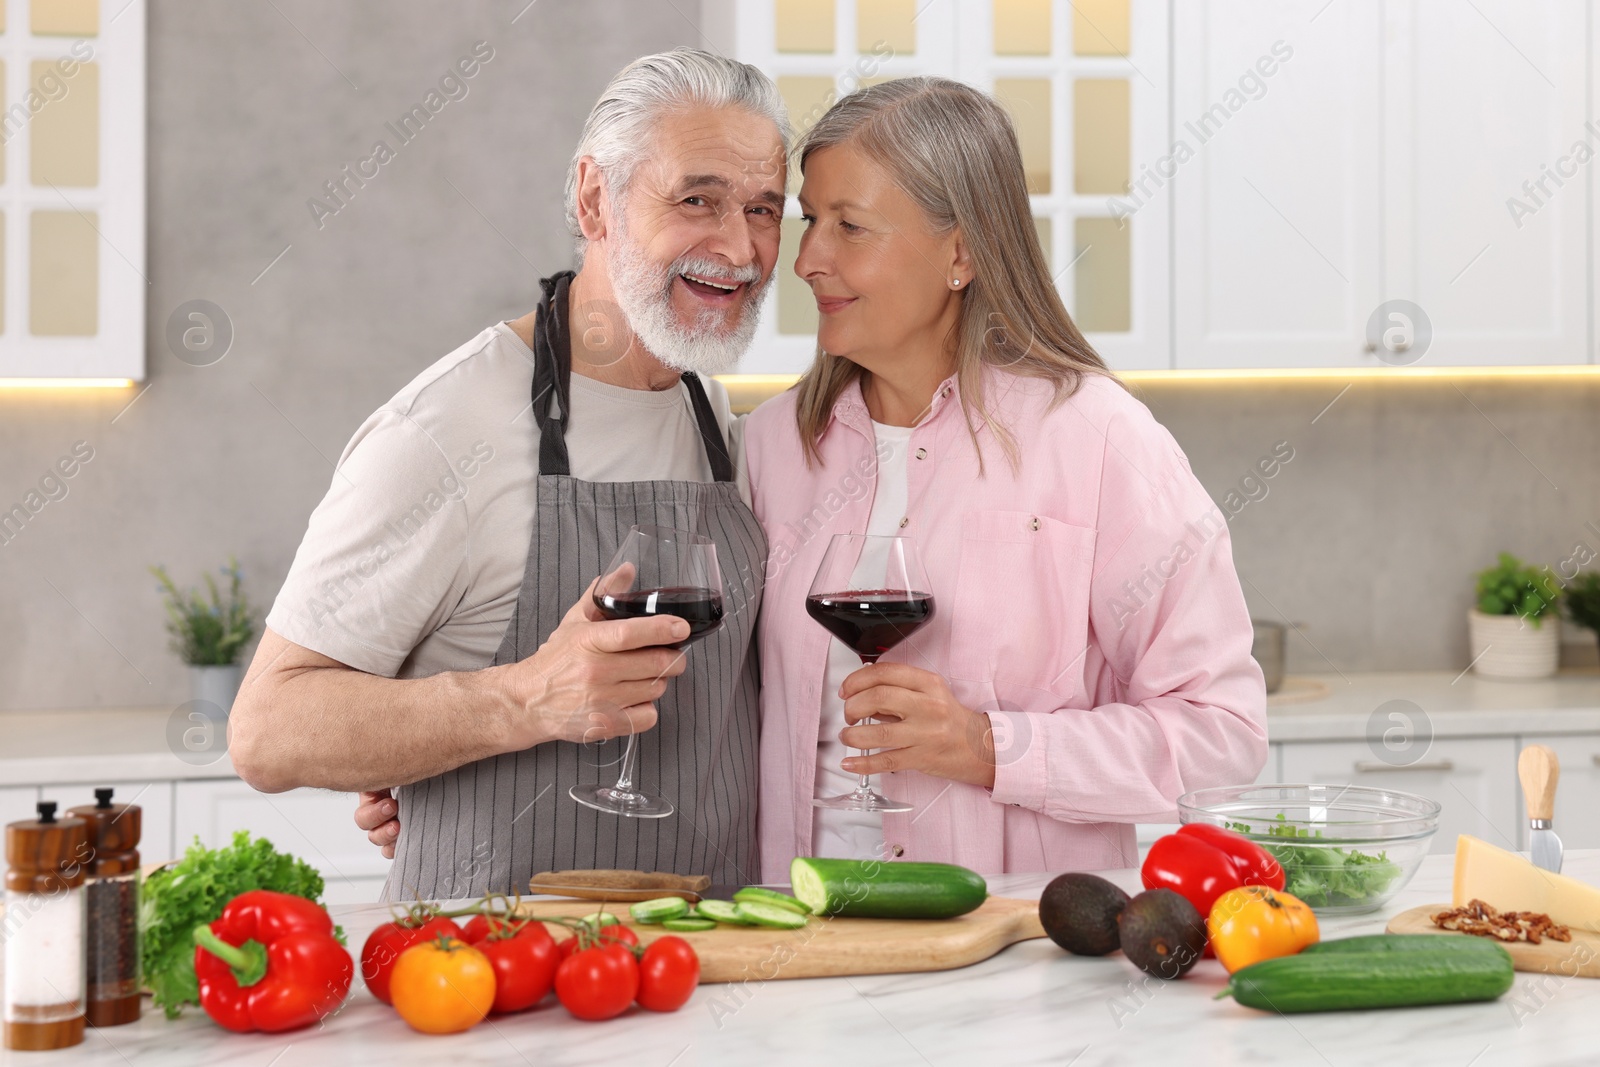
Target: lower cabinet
[(1473, 779), (1578, 788), (313, 824)]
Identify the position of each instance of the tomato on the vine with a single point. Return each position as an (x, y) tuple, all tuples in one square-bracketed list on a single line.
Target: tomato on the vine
[(598, 982), (669, 971), (385, 944), (616, 933), (524, 958)]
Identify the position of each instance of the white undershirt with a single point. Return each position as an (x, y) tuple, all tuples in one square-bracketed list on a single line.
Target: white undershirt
[(856, 834)]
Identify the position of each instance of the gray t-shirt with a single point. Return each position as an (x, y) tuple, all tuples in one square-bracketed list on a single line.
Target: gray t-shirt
[(412, 563)]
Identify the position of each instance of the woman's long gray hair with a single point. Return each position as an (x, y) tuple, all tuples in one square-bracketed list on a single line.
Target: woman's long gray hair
[(954, 151)]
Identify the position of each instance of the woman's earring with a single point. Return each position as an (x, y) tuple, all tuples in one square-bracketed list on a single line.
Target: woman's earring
[(955, 283)]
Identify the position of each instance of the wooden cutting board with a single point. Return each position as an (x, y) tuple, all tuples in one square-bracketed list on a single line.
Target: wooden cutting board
[(1578, 958), (829, 947)]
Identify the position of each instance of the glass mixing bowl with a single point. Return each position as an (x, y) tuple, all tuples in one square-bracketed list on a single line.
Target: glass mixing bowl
[(1344, 848)]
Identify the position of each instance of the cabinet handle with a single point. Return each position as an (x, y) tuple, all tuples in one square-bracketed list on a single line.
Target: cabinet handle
[(1366, 766)]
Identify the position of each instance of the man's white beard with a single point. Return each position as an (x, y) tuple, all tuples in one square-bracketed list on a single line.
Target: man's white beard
[(643, 290)]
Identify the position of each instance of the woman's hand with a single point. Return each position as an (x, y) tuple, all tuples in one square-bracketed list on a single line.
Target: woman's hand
[(924, 729)]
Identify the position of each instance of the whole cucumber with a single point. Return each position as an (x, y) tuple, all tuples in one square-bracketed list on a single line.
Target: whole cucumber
[(1340, 981), (872, 889)]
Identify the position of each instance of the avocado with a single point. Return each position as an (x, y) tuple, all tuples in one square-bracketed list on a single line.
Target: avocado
[(1079, 911), (1162, 933)]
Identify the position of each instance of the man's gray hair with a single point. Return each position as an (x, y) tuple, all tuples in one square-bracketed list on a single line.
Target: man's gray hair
[(619, 129)]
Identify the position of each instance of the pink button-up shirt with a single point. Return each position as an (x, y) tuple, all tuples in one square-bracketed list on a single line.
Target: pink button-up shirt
[(1086, 601)]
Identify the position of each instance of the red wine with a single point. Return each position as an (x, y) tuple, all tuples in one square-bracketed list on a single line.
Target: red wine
[(700, 608), (871, 621)]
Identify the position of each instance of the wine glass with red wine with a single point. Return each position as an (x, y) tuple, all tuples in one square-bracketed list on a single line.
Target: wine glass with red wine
[(656, 571), (871, 593)]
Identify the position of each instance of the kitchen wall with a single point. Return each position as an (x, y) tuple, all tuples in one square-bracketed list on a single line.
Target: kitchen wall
[(1367, 537)]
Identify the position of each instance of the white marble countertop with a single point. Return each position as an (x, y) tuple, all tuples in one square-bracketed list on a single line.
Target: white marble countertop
[(1031, 1004), (99, 745), (1457, 705), (137, 743)]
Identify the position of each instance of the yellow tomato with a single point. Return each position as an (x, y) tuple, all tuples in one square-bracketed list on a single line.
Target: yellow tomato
[(1254, 923), (442, 986)]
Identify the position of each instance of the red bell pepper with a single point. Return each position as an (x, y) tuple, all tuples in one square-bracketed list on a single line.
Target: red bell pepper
[(270, 962), (1256, 865), (1192, 868)]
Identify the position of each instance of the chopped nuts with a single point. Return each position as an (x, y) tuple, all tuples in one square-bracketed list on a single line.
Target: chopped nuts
[(1481, 920)]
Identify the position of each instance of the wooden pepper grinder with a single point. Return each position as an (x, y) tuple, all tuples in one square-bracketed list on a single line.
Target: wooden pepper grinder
[(44, 923), (112, 893)]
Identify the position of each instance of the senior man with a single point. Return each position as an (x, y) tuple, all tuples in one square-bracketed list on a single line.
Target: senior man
[(436, 631)]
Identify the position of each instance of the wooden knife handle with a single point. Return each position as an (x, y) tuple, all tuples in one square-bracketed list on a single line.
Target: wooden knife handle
[(619, 885), (1539, 771)]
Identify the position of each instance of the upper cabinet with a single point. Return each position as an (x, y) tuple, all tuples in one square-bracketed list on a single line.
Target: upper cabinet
[(1406, 188), (1257, 184), (73, 280), (1278, 222), (1485, 190)]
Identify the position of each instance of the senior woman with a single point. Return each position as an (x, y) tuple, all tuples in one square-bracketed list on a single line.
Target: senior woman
[(1089, 656)]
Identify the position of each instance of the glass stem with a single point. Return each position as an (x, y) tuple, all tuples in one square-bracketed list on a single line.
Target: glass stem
[(625, 778)]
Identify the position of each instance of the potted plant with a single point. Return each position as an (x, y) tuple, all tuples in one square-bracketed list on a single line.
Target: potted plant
[(1583, 600), (1514, 626), (209, 633)]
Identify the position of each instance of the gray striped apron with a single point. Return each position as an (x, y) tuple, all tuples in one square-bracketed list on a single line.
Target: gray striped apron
[(493, 824)]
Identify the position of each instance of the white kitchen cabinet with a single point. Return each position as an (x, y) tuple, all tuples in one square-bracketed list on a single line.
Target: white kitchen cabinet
[(1473, 779), (155, 815), (1276, 219), (1577, 791), (1416, 150), (313, 824), (1485, 207)]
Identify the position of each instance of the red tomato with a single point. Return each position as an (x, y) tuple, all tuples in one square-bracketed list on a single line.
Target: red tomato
[(1256, 865), (1192, 868), (481, 926), (524, 960), (669, 971), (599, 982), (622, 935), (384, 945)]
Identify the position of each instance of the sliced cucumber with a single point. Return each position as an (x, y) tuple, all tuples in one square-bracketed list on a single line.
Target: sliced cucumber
[(659, 910), (775, 916), (723, 911), (873, 889), (687, 925), (603, 918), (763, 895)]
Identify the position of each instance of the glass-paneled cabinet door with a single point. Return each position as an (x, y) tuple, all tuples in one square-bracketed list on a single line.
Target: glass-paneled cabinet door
[(72, 189), (1086, 84), (818, 51)]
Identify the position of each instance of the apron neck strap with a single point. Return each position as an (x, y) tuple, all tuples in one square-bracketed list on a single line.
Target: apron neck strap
[(552, 381)]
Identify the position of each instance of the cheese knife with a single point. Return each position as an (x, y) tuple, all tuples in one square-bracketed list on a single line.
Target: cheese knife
[(1539, 771)]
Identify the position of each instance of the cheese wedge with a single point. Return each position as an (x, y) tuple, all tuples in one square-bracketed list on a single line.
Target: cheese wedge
[(1507, 882)]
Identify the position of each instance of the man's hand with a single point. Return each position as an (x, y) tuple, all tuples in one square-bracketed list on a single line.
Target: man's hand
[(594, 678), (924, 727), (376, 814)]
